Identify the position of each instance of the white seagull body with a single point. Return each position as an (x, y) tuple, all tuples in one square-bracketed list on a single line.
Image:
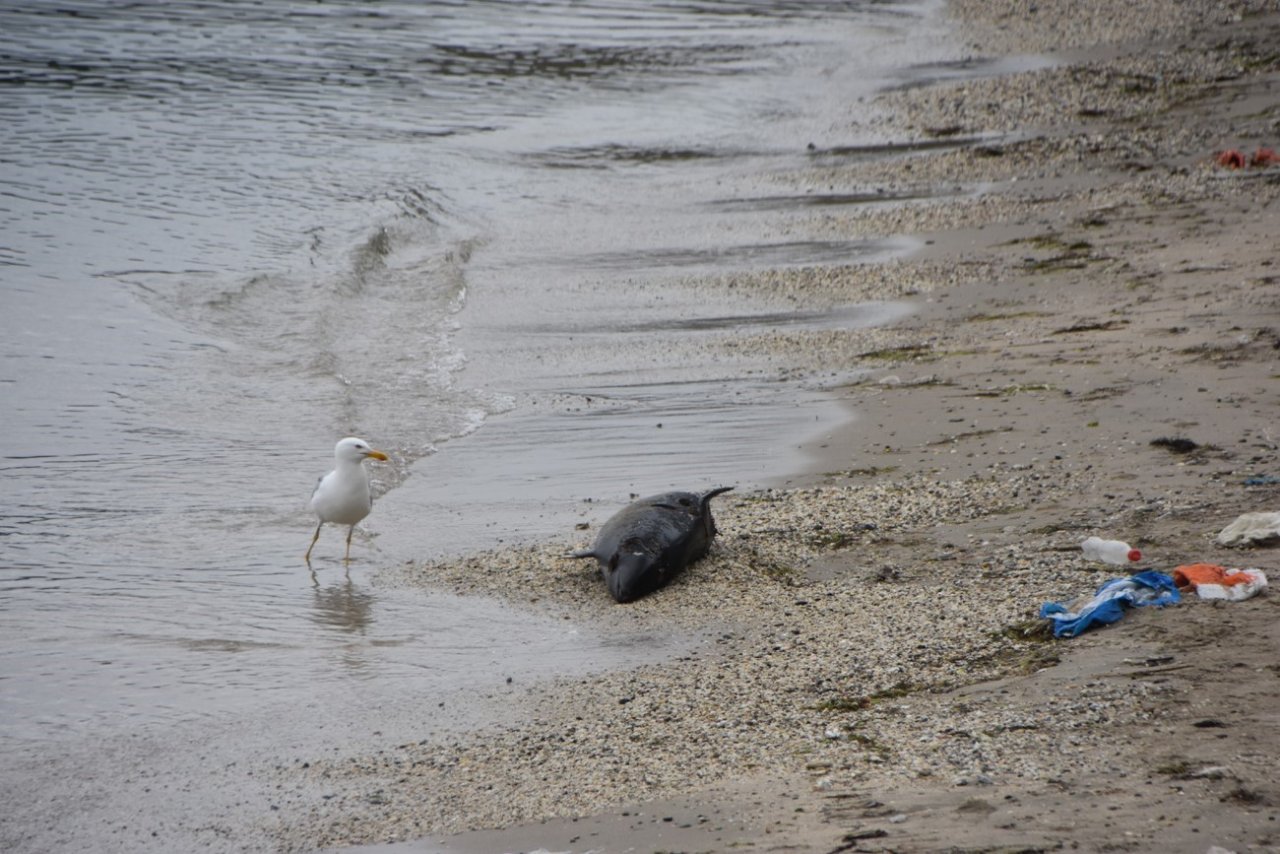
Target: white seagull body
[(342, 496)]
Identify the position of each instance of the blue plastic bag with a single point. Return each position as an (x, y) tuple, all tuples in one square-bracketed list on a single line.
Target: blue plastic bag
[(1109, 603)]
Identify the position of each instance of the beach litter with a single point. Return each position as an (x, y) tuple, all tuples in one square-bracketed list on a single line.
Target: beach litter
[(1108, 604), (1233, 158), (1151, 587), (1115, 552), (1250, 528), (1230, 159), (1210, 581)]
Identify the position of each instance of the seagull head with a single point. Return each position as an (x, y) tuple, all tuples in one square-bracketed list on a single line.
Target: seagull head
[(356, 450)]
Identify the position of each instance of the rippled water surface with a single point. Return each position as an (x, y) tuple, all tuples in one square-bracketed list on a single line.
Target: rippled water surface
[(231, 233)]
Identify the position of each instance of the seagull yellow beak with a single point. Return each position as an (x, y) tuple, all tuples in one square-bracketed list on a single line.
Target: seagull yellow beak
[(377, 455)]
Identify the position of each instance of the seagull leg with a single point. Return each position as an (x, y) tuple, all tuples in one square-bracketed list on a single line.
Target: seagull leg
[(307, 558), (350, 531)]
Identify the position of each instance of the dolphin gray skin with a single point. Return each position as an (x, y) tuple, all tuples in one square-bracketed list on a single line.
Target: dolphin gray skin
[(648, 542)]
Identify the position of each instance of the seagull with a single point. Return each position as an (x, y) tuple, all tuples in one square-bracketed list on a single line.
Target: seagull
[(342, 496)]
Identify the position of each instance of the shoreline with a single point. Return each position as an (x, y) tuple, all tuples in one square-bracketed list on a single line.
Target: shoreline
[(875, 678)]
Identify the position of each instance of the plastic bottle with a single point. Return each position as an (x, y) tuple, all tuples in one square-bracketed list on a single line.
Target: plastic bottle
[(1110, 551)]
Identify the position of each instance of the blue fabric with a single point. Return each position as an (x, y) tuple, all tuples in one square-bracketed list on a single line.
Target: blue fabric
[(1108, 604)]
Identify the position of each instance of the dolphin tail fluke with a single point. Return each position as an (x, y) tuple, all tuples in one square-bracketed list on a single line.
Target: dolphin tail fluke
[(704, 508), (707, 496)]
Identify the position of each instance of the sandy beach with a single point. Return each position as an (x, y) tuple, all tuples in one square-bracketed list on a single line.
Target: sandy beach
[(866, 668)]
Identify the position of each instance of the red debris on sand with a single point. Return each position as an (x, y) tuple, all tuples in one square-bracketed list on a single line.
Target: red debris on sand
[(1264, 157), (1231, 159)]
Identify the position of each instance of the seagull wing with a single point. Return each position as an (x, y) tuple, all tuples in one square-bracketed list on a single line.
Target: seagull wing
[(319, 481)]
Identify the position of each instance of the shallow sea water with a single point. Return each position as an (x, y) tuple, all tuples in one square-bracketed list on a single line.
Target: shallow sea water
[(233, 233)]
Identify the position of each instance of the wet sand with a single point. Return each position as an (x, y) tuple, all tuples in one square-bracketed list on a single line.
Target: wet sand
[(871, 674)]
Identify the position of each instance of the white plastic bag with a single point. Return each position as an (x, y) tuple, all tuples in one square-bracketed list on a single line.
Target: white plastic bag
[(1250, 528)]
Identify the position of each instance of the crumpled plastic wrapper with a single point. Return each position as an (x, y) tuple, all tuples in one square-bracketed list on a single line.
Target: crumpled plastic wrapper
[(1251, 528)]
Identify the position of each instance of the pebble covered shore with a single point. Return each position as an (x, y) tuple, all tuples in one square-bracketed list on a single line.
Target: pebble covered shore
[(844, 622), (791, 666)]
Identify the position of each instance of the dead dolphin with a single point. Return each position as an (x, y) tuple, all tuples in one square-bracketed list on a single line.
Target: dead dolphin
[(648, 542)]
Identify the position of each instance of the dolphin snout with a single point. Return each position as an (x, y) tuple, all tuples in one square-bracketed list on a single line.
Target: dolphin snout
[(623, 593), (629, 576)]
